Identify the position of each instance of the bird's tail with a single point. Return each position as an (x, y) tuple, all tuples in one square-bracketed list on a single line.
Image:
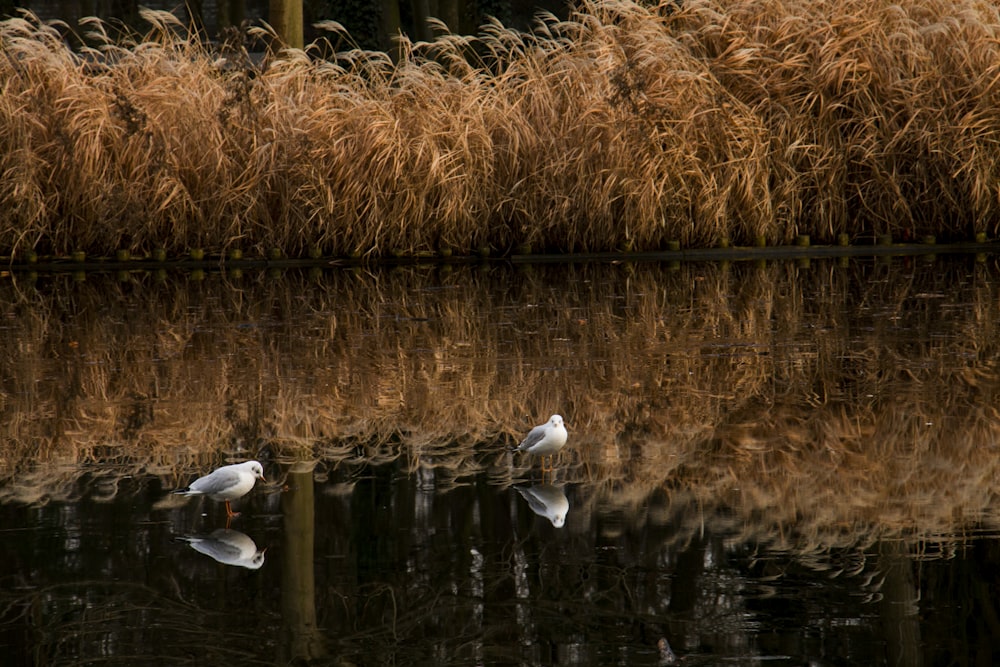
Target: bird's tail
[(183, 492)]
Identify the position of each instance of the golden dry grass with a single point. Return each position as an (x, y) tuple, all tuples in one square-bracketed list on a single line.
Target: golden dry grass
[(624, 126), (717, 387)]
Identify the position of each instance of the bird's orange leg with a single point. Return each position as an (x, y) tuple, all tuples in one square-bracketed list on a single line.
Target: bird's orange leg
[(229, 511)]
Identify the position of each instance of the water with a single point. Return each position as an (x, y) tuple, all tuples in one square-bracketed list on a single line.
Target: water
[(768, 464)]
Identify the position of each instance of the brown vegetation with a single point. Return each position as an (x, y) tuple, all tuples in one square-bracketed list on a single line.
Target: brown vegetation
[(623, 127), (714, 387)]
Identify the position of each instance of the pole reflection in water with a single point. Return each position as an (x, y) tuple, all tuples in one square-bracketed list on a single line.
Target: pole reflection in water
[(303, 640), (899, 603)]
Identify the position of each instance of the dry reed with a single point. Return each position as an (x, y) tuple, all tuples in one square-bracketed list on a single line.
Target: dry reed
[(623, 127)]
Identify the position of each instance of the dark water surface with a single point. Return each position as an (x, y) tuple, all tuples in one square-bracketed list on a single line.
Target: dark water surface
[(396, 573), (789, 464)]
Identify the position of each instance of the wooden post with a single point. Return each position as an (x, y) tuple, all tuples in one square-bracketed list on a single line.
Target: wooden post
[(286, 19)]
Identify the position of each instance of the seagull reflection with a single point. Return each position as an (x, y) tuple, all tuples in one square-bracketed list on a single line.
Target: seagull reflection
[(227, 546), (547, 500)]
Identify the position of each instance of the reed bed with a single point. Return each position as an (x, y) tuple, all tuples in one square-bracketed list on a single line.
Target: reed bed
[(623, 127), (718, 387)]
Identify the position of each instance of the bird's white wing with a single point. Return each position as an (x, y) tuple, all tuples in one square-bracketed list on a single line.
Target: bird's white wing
[(217, 482)]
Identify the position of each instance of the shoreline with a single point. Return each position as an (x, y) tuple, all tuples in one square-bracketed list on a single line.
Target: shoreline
[(730, 253)]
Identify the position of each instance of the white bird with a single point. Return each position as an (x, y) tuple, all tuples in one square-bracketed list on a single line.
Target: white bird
[(548, 501), (229, 547), (545, 440), (227, 483)]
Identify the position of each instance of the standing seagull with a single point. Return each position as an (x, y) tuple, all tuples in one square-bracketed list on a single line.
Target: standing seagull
[(227, 483), (545, 440)]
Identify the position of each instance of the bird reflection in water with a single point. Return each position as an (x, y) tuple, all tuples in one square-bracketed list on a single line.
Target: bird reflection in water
[(547, 500), (227, 546)]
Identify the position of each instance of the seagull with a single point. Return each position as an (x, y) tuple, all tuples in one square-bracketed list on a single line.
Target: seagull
[(227, 483), (545, 440), (229, 547)]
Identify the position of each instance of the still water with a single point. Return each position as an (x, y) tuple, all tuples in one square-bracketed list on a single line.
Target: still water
[(781, 463)]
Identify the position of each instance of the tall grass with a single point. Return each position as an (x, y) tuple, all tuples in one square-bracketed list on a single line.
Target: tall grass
[(624, 126)]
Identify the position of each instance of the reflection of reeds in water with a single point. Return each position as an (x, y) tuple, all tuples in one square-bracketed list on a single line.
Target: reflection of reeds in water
[(830, 399), (624, 126)]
